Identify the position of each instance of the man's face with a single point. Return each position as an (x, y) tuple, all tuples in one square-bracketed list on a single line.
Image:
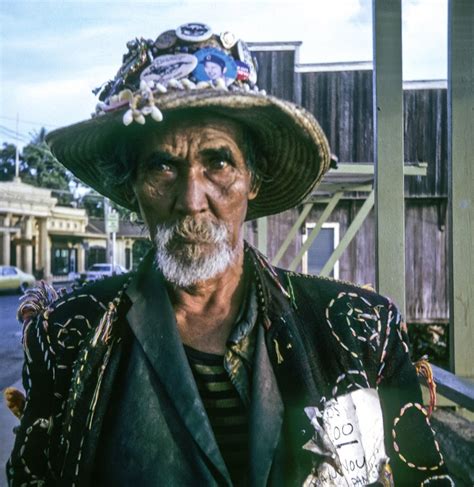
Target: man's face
[(193, 187), (213, 70)]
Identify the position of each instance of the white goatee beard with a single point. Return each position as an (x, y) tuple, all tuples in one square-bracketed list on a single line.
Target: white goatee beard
[(189, 251)]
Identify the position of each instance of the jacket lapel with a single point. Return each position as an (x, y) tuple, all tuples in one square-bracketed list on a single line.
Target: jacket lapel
[(152, 320), (266, 414)]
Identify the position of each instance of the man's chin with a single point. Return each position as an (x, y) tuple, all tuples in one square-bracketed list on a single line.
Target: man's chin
[(186, 252), (193, 264)]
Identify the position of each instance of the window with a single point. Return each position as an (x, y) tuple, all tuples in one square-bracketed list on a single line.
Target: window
[(9, 271), (321, 249), (63, 260)]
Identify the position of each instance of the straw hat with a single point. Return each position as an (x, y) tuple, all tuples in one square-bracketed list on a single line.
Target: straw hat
[(170, 74)]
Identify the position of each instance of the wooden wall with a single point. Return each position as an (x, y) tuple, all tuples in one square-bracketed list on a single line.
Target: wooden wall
[(342, 103)]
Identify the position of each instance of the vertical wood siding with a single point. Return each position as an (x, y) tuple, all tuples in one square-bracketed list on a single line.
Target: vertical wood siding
[(342, 103)]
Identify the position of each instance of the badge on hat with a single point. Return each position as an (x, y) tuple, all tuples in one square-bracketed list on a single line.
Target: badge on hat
[(228, 39), (213, 65), (169, 66), (194, 32), (246, 57), (243, 71), (166, 40)]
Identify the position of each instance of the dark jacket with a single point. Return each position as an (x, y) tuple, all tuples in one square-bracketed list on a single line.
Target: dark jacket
[(317, 339)]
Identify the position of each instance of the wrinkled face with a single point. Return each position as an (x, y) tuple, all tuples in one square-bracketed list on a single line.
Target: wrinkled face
[(193, 187)]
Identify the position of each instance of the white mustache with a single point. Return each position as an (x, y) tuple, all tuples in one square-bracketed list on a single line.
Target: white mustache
[(191, 230)]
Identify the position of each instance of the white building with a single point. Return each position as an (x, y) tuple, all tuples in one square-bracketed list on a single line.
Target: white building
[(51, 241)]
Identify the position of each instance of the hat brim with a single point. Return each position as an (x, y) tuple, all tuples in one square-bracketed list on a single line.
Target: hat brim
[(289, 138)]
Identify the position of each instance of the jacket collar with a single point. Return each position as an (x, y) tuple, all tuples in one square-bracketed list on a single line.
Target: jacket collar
[(161, 342), (152, 320)]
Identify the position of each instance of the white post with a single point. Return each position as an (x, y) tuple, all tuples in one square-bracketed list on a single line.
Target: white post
[(113, 251)]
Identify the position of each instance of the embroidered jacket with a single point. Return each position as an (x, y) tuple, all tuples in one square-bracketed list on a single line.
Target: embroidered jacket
[(318, 339)]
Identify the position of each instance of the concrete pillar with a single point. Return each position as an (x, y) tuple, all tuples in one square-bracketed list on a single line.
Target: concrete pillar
[(6, 257), (19, 253), (81, 258), (27, 260), (45, 249)]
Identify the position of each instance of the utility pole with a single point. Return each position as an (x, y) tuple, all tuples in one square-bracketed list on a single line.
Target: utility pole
[(17, 152)]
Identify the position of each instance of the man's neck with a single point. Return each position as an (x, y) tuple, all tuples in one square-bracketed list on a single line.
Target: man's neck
[(206, 313)]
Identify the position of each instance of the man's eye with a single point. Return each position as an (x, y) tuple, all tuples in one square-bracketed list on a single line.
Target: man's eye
[(162, 167), (218, 164)]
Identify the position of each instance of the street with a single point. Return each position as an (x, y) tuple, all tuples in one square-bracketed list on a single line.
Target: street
[(11, 359), (11, 353)]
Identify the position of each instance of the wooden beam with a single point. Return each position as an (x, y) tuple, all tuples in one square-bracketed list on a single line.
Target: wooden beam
[(322, 219), (388, 150), (362, 168), (293, 232), (262, 229), (461, 184), (459, 390), (349, 235)]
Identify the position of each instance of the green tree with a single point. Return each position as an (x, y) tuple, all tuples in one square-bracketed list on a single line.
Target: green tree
[(7, 161), (40, 168)]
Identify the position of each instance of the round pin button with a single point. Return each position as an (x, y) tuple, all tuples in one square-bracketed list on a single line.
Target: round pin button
[(166, 39), (246, 57), (170, 66), (214, 65), (228, 39), (194, 32), (243, 71)]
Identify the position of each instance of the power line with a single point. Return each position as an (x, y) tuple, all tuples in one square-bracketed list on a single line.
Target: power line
[(29, 122), (12, 133), (15, 137)]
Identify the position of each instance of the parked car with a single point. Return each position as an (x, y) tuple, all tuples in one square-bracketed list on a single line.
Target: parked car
[(97, 271), (14, 279)]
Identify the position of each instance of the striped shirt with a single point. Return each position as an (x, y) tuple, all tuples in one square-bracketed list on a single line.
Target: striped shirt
[(225, 409)]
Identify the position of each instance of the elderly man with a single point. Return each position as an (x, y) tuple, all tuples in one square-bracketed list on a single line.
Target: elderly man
[(208, 366)]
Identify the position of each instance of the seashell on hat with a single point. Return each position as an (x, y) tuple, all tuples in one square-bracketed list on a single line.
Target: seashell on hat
[(193, 68)]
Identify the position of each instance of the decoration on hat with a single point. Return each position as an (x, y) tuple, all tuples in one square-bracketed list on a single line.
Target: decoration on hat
[(243, 71), (169, 66), (246, 56), (187, 58), (166, 40), (194, 32), (214, 65), (228, 39)]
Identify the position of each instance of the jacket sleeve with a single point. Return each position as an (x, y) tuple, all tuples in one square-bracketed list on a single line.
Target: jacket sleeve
[(415, 457), (28, 464)]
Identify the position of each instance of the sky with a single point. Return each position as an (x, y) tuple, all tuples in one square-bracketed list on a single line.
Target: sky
[(53, 53)]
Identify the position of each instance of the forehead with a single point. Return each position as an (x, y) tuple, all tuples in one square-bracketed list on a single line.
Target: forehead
[(195, 131)]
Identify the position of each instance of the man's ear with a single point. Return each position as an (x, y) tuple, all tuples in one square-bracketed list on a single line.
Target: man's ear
[(254, 189)]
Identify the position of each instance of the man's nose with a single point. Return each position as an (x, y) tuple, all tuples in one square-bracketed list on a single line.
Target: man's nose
[(192, 194)]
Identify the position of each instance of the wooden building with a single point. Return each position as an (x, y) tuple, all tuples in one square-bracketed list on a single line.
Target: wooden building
[(340, 97)]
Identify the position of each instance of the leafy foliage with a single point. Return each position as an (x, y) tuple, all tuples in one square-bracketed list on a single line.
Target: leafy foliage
[(431, 340), (39, 167), (7, 162)]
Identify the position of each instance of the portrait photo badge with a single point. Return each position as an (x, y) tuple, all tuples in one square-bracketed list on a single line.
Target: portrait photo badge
[(213, 65), (170, 66), (194, 32)]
